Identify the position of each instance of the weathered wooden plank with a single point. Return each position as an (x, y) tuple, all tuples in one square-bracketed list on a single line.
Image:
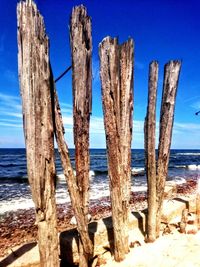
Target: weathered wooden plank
[(81, 51), (34, 74), (116, 71), (170, 85), (150, 155)]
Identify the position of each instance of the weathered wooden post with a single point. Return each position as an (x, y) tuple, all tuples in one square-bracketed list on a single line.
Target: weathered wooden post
[(75, 196), (116, 71), (150, 155), (171, 77), (81, 51), (34, 74)]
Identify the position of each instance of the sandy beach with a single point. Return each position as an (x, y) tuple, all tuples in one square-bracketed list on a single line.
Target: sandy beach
[(19, 228), (175, 249)]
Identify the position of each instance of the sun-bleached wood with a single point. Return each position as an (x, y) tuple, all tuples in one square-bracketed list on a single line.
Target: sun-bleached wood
[(116, 71), (150, 154), (71, 181), (170, 85), (81, 49), (81, 53), (34, 74)]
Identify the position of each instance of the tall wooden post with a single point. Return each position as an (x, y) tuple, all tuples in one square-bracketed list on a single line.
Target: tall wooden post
[(150, 155), (116, 71), (86, 244), (34, 74), (81, 51), (171, 77)]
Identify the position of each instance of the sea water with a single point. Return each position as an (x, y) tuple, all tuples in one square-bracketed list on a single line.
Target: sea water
[(15, 190)]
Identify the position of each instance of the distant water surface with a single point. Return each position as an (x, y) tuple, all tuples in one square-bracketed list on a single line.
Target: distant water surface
[(15, 190)]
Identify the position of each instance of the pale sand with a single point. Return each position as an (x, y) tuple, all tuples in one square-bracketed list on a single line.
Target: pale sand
[(173, 250)]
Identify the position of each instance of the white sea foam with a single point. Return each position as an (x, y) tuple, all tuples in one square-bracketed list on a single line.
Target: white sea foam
[(137, 170), (91, 173), (179, 180), (140, 188), (189, 154), (61, 176), (18, 196), (193, 167), (16, 204), (181, 166), (189, 167)]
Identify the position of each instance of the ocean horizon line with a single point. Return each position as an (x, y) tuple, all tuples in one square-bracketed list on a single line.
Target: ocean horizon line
[(104, 148)]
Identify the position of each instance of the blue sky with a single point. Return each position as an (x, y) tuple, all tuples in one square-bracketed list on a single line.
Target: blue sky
[(162, 30)]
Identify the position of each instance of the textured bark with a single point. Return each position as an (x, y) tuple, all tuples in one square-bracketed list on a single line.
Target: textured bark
[(81, 51), (150, 155), (116, 70), (82, 226), (171, 77), (34, 74)]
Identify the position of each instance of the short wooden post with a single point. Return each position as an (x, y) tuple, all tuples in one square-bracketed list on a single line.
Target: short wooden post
[(184, 220), (171, 77), (34, 73), (81, 51), (150, 155), (116, 71)]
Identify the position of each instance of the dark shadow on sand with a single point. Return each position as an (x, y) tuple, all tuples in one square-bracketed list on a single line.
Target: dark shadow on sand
[(142, 220), (16, 254)]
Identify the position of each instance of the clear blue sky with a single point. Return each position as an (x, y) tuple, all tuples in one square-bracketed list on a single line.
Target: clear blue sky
[(162, 30)]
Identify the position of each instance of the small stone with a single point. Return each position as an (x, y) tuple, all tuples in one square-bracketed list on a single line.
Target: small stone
[(191, 229), (134, 244), (73, 219)]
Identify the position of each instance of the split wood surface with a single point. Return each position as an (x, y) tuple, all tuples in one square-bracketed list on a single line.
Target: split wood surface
[(34, 73), (81, 49), (170, 85), (116, 71), (75, 196), (157, 172), (81, 53)]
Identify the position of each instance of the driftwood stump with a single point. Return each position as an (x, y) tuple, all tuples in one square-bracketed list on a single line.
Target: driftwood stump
[(34, 74), (116, 71), (150, 154)]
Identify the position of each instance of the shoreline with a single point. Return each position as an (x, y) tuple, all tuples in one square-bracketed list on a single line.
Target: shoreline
[(17, 228)]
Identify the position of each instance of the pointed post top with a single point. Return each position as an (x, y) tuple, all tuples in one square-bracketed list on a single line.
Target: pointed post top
[(29, 2)]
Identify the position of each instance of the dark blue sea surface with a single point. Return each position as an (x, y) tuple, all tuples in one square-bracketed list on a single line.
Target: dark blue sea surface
[(15, 190)]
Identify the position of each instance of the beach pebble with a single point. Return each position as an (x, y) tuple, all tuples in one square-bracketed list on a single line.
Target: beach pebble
[(191, 229), (73, 219)]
